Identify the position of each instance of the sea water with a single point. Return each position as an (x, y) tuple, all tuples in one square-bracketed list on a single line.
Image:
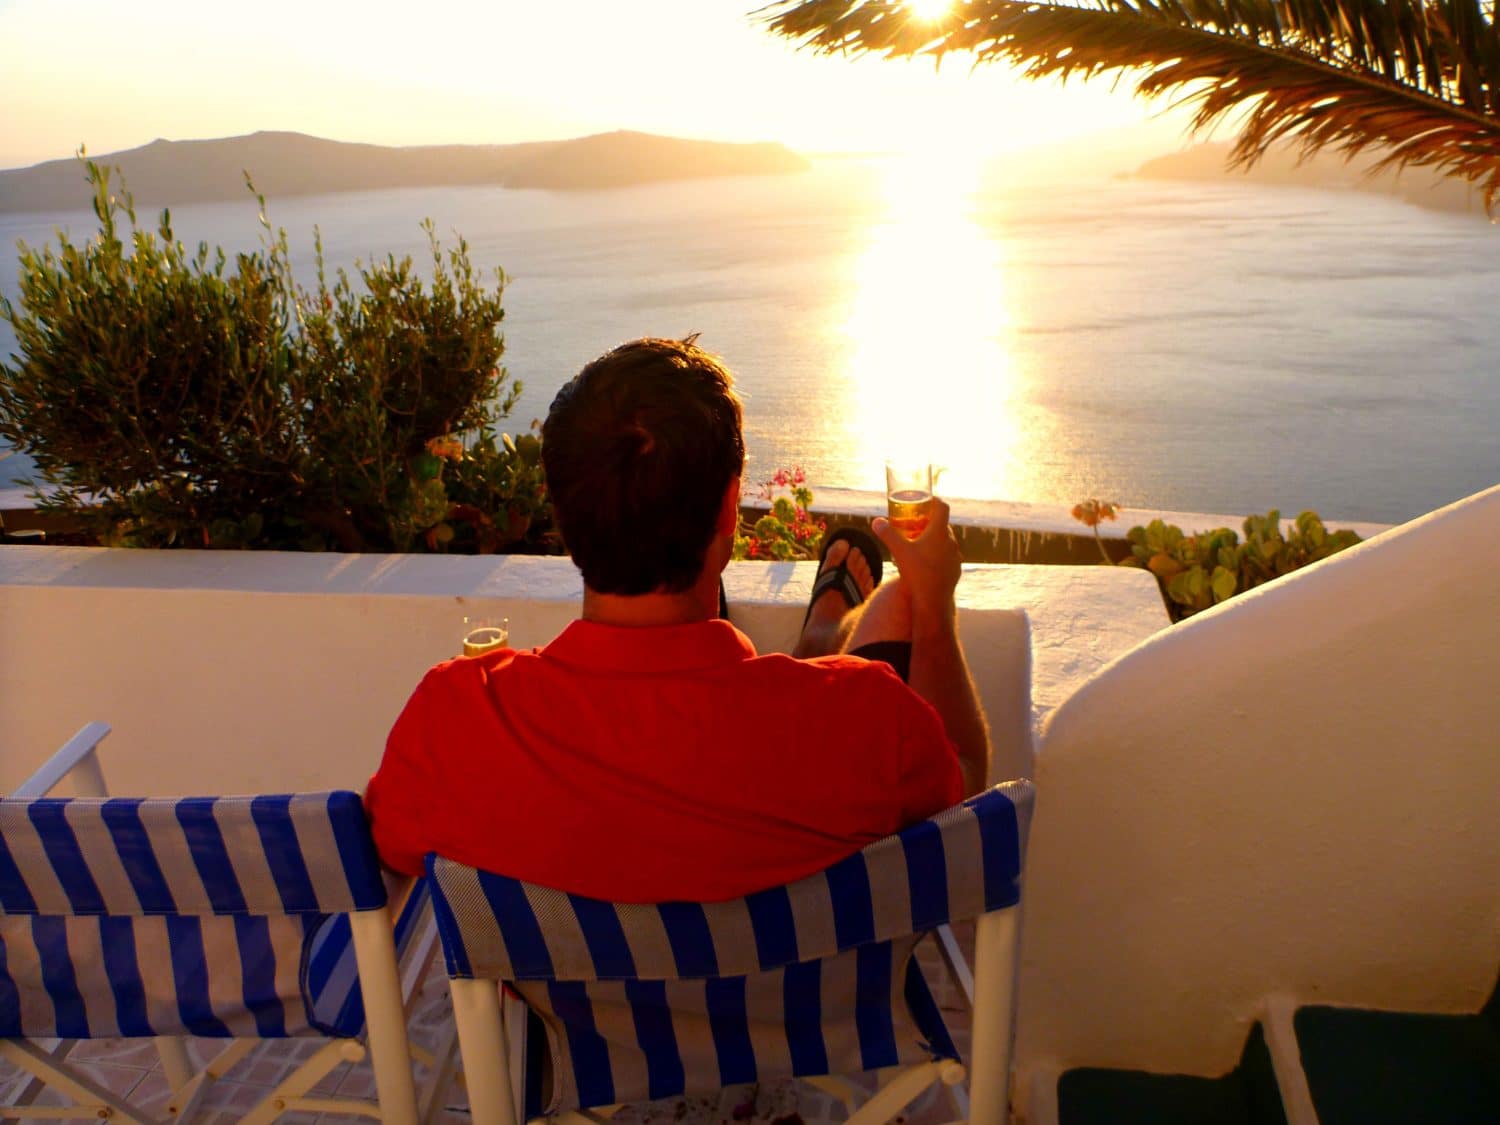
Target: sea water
[(1218, 347)]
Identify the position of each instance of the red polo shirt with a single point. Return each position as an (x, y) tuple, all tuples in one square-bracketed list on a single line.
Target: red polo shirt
[(656, 764)]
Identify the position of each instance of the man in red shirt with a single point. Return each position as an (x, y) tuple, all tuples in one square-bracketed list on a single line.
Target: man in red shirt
[(648, 754)]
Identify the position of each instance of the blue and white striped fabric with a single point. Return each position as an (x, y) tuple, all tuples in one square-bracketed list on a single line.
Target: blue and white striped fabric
[(331, 976), (816, 977), (199, 916)]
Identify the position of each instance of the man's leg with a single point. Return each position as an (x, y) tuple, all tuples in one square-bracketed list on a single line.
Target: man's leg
[(883, 631), (885, 617), (832, 620)]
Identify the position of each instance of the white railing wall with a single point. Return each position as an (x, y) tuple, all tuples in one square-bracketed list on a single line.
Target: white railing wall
[(230, 671), (1297, 792)]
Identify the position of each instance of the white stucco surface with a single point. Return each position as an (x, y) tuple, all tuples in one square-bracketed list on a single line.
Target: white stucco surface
[(1298, 792), (245, 672)]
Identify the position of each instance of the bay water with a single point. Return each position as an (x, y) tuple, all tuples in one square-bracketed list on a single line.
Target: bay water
[(1198, 346)]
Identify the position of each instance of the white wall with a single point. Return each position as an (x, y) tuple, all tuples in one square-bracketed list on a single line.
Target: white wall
[(228, 671), (236, 672), (1297, 791)]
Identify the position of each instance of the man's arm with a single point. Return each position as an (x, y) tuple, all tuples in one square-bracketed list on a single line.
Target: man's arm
[(930, 568)]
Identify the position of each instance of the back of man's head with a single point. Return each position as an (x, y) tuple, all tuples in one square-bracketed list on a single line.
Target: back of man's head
[(639, 448)]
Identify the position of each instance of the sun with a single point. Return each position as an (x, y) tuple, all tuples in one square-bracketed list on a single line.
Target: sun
[(929, 10)]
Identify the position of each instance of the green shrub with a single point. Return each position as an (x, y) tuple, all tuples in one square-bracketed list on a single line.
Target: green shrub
[(1198, 571), (177, 398)]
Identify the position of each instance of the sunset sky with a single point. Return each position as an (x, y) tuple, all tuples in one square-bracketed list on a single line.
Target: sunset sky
[(113, 76)]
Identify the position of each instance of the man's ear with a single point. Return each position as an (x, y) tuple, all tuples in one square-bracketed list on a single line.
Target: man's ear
[(729, 509)]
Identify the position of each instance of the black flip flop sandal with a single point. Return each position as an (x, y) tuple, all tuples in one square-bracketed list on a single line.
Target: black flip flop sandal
[(839, 577)]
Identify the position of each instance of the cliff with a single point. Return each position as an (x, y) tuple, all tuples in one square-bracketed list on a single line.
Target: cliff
[(1420, 186), (289, 164)]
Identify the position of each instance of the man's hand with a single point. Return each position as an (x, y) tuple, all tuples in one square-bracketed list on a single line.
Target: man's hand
[(930, 565)]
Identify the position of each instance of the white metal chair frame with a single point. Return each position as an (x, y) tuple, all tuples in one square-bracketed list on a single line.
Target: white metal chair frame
[(386, 990)]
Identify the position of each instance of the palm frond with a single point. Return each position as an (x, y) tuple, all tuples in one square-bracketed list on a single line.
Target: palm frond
[(1418, 80)]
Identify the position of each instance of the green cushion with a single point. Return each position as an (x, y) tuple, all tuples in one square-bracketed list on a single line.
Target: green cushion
[(1247, 1095), (1373, 1067)]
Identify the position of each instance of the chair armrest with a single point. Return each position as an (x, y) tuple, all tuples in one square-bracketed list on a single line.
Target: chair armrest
[(77, 754)]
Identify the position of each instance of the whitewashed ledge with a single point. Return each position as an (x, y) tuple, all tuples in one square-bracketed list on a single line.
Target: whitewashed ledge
[(1011, 517), (241, 672), (1001, 516)]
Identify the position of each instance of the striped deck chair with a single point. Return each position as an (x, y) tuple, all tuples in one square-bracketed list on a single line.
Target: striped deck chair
[(816, 978), (246, 918)]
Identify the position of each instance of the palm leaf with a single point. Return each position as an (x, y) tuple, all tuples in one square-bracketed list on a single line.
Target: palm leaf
[(1417, 81)]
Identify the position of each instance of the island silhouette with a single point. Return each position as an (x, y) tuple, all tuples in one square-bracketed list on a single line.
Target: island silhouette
[(290, 164), (1285, 166)]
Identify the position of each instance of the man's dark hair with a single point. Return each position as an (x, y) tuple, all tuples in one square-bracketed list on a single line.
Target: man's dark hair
[(639, 447)]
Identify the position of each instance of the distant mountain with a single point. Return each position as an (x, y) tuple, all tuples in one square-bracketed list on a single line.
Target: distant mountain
[(288, 164), (1420, 186)]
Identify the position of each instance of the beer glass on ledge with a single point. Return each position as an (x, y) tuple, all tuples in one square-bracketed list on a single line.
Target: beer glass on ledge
[(482, 635)]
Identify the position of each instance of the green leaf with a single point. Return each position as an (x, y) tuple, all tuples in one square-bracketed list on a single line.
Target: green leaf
[(1189, 588), (1312, 529), (1223, 584)]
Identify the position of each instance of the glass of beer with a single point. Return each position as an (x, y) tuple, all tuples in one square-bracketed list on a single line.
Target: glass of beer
[(908, 497), (482, 635)]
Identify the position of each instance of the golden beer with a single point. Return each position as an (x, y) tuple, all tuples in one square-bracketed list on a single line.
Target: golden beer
[(485, 639), (910, 511)]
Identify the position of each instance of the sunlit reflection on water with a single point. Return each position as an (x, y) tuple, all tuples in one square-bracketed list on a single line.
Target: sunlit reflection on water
[(930, 374)]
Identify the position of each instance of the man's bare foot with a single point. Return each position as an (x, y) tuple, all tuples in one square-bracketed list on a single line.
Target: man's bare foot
[(832, 618)]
